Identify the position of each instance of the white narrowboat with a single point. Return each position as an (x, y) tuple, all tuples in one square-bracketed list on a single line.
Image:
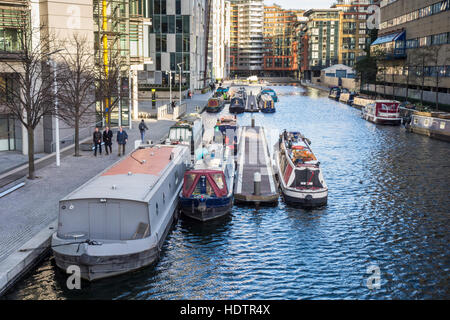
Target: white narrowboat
[(299, 173), (117, 222)]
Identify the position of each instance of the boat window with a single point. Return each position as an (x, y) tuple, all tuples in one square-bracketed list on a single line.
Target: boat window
[(157, 209), (213, 103), (442, 125), (188, 181), (203, 187), (182, 134), (218, 179), (164, 198)]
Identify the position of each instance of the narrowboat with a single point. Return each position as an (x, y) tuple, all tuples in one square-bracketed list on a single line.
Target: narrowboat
[(271, 93), (208, 188), (265, 103), (433, 124), (215, 105), (226, 123), (237, 104), (382, 112), (347, 97), (298, 171), (187, 131), (223, 92), (335, 93), (226, 132), (117, 221)]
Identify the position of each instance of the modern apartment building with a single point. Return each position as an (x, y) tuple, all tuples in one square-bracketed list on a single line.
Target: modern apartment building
[(414, 42), (323, 29), (219, 39), (177, 43), (280, 41), (247, 48), (353, 33)]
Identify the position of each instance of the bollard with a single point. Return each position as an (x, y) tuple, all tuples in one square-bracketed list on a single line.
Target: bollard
[(257, 183), (253, 122)]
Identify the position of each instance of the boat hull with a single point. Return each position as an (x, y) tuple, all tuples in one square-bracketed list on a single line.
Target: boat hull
[(214, 109), (95, 267), (237, 110), (305, 198), (205, 211), (385, 121), (267, 110)]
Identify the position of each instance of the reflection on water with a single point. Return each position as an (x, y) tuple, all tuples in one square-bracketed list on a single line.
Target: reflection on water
[(388, 206)]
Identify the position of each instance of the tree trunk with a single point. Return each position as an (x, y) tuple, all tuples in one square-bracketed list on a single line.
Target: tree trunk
[(31, 168), (77, 136)]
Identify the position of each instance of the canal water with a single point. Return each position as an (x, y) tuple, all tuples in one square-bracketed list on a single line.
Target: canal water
[(387, 215)]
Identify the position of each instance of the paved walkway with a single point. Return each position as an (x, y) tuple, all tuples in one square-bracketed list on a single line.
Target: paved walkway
[(198, 100), (11, 159), (315, 86), (27, 211)]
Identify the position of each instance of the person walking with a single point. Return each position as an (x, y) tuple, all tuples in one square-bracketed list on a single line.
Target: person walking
[(142, 128), (122, 138), (97, 139), (107, 139)]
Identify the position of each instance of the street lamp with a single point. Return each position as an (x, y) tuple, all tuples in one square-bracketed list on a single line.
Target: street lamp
[(55, 91), (170, 85), (181, 76)]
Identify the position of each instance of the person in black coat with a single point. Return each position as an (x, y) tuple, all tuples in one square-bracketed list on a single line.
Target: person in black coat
[(97, 139), (107, 139), (122, 138)]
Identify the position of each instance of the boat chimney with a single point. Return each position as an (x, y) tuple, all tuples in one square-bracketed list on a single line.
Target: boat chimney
[(257, 183)]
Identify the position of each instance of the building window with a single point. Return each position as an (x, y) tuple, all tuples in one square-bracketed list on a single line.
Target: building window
[(9, 40)]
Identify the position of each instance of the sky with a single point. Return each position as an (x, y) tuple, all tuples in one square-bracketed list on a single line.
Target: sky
[(302, 4)]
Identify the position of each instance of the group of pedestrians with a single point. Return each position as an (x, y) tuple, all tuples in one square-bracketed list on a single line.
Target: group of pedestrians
[(107, 138), (121, 138)]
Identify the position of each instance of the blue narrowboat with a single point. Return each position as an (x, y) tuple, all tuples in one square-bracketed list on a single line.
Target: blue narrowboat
[(266, 103), (271, 93), (208, 188)]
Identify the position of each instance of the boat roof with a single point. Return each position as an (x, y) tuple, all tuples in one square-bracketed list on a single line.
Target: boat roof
[(187, 120), (131, 178), (266, 97), (268, 89), (386, 101)]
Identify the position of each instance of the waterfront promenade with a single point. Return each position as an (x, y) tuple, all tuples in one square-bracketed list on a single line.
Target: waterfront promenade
[(29, 214)]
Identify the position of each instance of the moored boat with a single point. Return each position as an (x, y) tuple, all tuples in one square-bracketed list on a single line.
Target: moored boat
[(265, 103), (208, 188), (382, 112), (237, 104), (335, 93), (215, 105), (271, 93), (433, 124), (187, 131), (117, 222), (298, 171)]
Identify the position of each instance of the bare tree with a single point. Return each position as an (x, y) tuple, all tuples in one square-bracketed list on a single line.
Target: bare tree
[(434, 58), (420, 58), (108, 89), (31, 97), (77, 85)]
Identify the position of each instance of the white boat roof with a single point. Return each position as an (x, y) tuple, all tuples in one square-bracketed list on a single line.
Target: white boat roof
[(129, 179)]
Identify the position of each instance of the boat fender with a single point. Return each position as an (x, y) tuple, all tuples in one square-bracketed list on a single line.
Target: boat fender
[(308, 198)]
